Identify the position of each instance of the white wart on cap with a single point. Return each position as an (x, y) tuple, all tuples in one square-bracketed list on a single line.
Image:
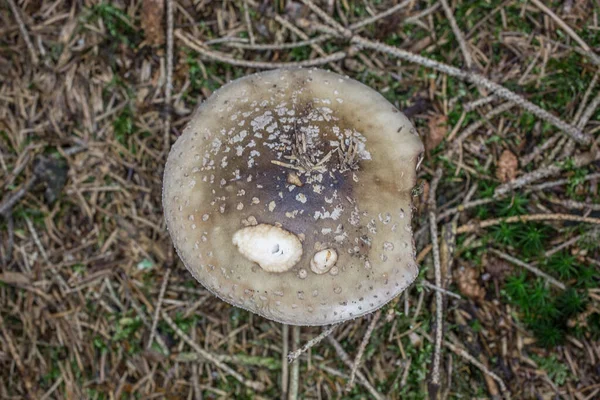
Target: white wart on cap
[(289, 194)]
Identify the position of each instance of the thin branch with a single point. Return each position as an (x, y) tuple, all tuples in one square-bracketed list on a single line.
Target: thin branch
[(579, 161), (312, 342), (315, 46), (478, 103), (55, 275), (361, 349), (478, 80), (7, 205), (570, 242), (458, 34), (161, 296), (577, 205), (528, 267), (295, 375), (588, 51), (377, 17), (589, 112), (285, 337), (463, 353), (15, 357), (439, 289), (169, 82), (346, 360), (471, 129), (586, 96), (474, 226), (276, 46), (347, 33), (17, 13), (191, 43), (248, 22), (439, 320), (258, 386)]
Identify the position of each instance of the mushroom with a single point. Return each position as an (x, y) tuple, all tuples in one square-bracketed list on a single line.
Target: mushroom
[(289, 195)]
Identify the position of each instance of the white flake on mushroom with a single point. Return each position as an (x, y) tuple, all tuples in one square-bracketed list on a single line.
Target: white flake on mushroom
[(273, 248)]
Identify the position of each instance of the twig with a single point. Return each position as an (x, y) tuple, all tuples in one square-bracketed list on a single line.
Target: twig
[(55, 275), (361, 349), (161, 296), (539, 149), (528, 267), (377, 17), (292, 28), (413, 18), (478, 103), (312, 342), (16, 358), (258, 386), (589, 112), (190, 42), (471, 129), (169, 82), (579, 161), (248, 22), (346, 360), (586, 96), (439, 318), (558, 182), (8, 204), (578, 205), (588, 51), (439, 289), (458, 34), (478, 80), (276, 46), (473, 226), (569, 243), (285, 333), (295, 375), (325, 17), (463, 353), (17, 13)]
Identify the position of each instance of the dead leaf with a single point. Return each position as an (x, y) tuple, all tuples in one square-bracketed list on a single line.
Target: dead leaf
[(153, 12), (438, 128), (467, 280), (507, 167)]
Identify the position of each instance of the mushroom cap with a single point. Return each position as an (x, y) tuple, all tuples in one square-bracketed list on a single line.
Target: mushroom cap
[(316, 154)]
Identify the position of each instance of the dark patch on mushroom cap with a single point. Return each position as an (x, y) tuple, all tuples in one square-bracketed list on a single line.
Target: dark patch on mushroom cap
[(232, 165)]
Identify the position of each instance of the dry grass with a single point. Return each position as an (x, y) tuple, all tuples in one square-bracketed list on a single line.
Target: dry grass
[(85, 256)]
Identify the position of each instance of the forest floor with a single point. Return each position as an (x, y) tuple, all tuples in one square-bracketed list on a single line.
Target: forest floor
[(86, 261)]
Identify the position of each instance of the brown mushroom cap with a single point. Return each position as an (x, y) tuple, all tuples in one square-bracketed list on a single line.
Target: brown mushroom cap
[(318, 155)]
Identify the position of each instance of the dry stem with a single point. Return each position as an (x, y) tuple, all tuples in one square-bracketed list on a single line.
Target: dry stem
[(439, 318)]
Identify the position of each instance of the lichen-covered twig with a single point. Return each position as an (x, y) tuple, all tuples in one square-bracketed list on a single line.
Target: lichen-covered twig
[(312, 342), (439, 304), (169, 82), (191, 43), (478, 80), (361, 349)]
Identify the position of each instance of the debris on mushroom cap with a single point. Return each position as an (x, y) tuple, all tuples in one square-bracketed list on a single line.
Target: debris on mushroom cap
[(316, 158), (323, 260), (273, 248)]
